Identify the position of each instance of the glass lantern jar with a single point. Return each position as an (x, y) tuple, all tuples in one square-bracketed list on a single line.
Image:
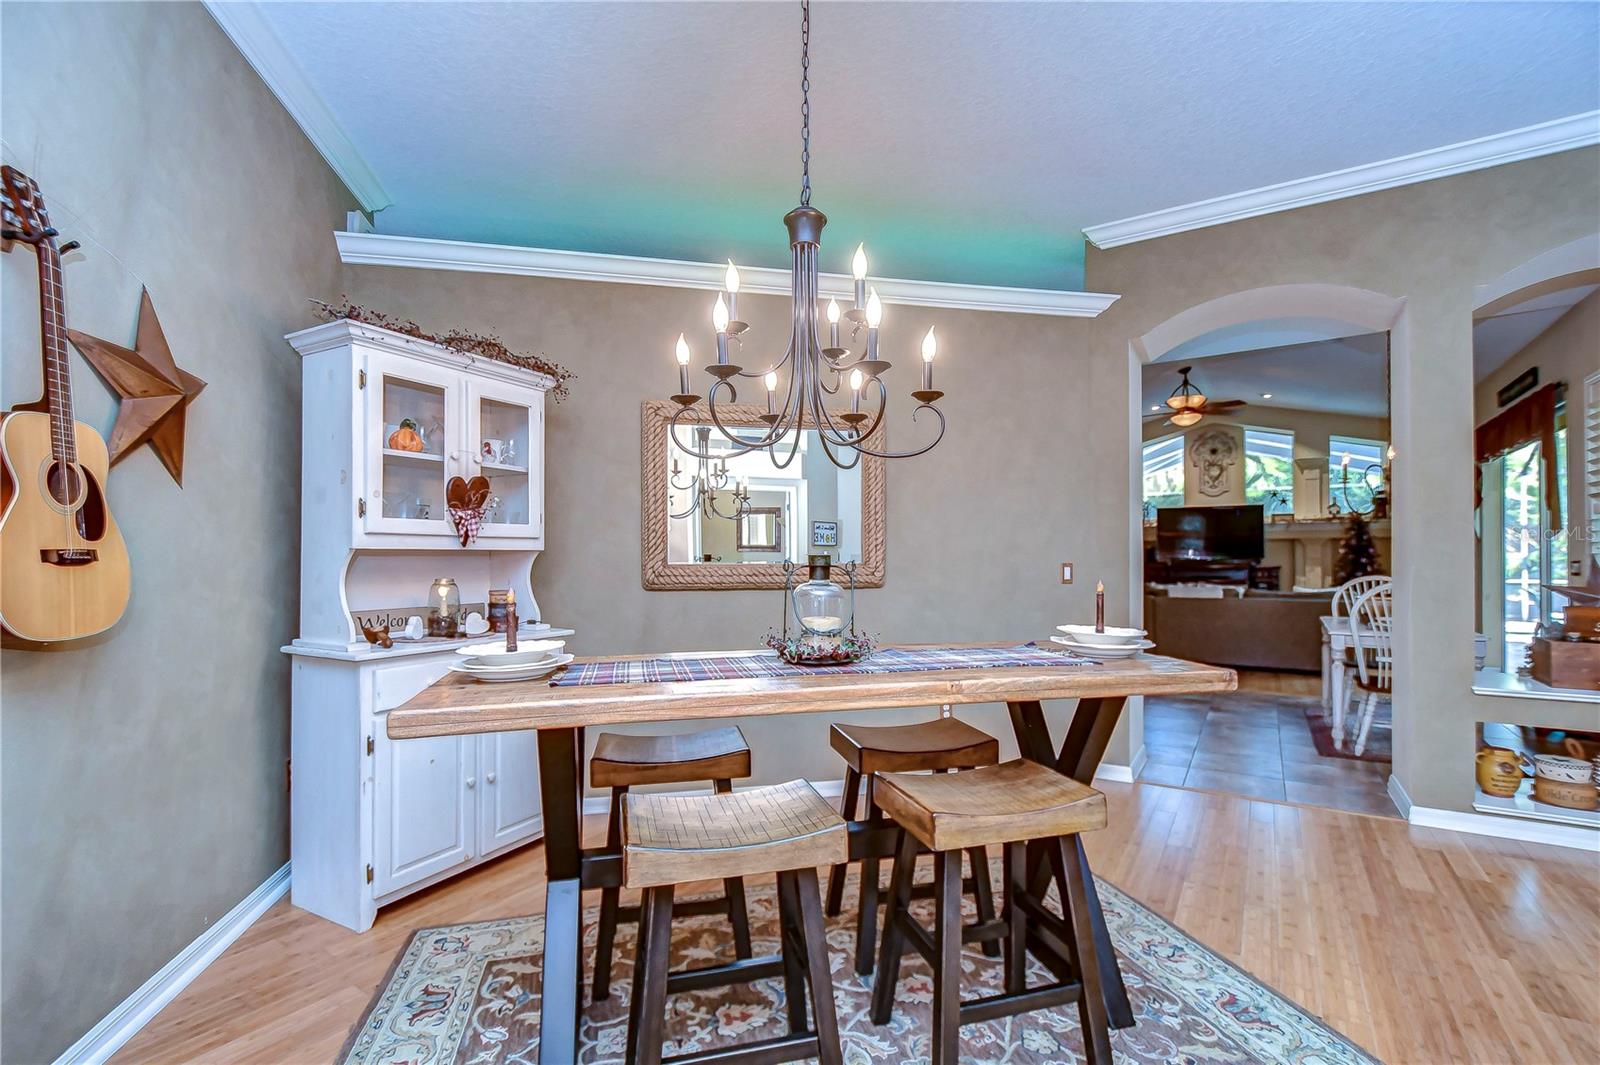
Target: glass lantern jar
[(444, 601), (823, 609)]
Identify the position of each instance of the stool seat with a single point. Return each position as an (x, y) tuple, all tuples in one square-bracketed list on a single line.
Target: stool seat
[(626, 761), (672, 839), (1017, 800), (943, 743)]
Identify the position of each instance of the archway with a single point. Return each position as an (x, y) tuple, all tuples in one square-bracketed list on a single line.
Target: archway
[(1341, 310)]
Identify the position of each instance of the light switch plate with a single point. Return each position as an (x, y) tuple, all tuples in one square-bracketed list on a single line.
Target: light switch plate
[(1066, 573)]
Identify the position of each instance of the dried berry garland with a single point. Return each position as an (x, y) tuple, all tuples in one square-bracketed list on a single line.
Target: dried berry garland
[(478, 344)]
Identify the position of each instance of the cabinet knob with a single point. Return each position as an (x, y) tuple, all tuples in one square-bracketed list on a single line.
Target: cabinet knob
[(472, 782), (489, 777)]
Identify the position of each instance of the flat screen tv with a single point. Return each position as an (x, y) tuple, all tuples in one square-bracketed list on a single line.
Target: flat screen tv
[(1211, 534)]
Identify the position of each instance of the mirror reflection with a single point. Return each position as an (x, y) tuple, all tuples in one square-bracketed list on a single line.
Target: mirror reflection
[(743, 507)]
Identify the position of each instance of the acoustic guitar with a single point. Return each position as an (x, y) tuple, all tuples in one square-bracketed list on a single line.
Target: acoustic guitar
[(63, 566)]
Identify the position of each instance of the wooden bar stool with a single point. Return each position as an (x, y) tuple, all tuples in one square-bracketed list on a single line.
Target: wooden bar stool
[(1008, 804), (719, 755), (787, 829), (940, 745)]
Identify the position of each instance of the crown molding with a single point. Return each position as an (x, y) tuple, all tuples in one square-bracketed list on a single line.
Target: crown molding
[(264, 50), (378, 249), (1546, 138)]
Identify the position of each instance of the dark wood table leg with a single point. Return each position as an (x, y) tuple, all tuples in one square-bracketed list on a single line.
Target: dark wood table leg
[(561, 998), (1079, 756)]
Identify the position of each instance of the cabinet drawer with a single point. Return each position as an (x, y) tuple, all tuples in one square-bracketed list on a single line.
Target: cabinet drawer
[(393, 685)]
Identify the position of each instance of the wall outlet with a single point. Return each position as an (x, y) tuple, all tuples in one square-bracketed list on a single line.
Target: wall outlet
[(1066, 573)]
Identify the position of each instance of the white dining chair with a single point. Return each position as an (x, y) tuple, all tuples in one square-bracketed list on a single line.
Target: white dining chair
[(1372, 632), (1341, 666)]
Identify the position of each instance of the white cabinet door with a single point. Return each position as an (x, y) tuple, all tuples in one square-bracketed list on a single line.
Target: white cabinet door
[(506, 430), (426, 797), (425, 791), (404, 490), (508, 791)]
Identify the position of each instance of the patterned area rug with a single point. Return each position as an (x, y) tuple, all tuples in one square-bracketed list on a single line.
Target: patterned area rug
[(469, 994), (1379, 746)]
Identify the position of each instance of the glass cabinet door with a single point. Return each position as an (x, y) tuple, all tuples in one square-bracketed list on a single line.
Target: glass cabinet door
[(412, 415), (507, 429)]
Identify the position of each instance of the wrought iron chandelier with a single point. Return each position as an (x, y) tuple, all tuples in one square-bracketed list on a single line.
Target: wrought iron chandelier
[(799, 384), (708, 480)]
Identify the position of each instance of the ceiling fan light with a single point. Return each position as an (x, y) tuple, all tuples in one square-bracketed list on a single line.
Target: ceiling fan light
[(1186, 418)]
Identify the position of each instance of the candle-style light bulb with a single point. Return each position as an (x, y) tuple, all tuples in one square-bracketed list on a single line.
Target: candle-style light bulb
[(833, 323), (771, 381), (1388, 452), (930, 348), (874, 310), (732, 282), (858, 271), (682, 353), (855, 391), (719, 319)]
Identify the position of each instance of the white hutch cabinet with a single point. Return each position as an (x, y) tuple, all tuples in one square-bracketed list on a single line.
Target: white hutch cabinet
[(374, 819)]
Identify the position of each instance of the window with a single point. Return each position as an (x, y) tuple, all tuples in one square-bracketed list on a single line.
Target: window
[(1351, 477), (1269, 470), (1163, 473)]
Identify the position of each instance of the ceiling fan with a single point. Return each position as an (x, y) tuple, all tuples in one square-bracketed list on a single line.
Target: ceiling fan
[(1188, 404)]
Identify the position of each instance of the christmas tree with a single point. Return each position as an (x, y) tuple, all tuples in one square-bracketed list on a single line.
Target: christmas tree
[(1358, 555)]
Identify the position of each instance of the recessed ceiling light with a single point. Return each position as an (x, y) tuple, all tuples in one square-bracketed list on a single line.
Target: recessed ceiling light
[(1266, 395)]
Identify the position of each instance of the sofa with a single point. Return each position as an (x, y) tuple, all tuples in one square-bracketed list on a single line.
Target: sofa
[(1260, 630)]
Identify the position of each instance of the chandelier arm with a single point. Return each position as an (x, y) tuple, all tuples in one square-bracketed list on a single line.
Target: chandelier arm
[(828, 446), (929, 446), (847, 437), (694, 505), (740, 446)]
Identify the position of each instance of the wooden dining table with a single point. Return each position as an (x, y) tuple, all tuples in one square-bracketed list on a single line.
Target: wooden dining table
[(458, 705)]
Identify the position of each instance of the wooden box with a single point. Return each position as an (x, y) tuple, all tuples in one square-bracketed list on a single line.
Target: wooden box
[(1567, 664), (1584, 620)]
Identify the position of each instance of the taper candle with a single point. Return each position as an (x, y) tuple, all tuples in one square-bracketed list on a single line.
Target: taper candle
[(1099, 606), (683, 365), (772, 384), (855, 391), (930, 347), (833, 323), (874, 316), (719, 319), (858, 271)]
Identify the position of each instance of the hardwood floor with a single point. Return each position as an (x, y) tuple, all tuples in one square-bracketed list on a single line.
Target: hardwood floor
[(1249, 743), (1423, 946)]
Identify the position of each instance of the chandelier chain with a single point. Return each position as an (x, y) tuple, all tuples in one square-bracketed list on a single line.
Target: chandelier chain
[(805, 103)]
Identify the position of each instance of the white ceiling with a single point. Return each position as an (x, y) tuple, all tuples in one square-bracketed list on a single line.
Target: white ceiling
[(1348, 375), (963, 141)]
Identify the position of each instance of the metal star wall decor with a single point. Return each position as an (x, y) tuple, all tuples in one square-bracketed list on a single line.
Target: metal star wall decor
[(155, 393)]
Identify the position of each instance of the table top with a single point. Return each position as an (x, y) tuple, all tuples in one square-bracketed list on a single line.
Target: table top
[(458, 705)]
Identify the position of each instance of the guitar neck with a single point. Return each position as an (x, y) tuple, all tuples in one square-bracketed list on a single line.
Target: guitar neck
[(57, 370)]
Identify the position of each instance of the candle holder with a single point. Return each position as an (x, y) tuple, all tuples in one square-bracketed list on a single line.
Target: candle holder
[(825, 614)]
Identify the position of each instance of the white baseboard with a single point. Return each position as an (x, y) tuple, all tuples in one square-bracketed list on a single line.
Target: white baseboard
[(1480, 824), (135, 1011)]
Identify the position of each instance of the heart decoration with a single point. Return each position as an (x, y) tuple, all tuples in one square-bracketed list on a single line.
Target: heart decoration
[(466, 501)]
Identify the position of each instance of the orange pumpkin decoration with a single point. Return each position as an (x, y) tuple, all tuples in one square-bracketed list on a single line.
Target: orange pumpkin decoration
[(406, 438)]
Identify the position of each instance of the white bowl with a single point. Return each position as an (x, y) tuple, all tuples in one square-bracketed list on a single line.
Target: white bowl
[(1111, 637), (494, 652), (1103, 651)]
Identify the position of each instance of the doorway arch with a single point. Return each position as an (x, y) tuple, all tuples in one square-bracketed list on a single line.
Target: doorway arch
[(1363, 311)]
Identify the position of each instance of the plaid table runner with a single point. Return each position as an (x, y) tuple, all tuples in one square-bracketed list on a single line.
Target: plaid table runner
[(755, 664)]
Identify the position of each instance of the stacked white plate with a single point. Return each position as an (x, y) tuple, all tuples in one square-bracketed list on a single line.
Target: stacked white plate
[(1105, 643), (493, 663)]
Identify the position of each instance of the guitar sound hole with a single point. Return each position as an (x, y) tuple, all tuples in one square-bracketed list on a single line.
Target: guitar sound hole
[(63, 482)]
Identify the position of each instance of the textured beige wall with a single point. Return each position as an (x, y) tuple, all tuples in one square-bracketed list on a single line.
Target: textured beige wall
[(1427, 244), (143, 771), (976, 528)]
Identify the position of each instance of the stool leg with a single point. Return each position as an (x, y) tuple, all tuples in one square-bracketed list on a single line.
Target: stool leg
[(867, 917), (1016, 956), (947, 951), (883, 984), (1091, 1000), (819, 973), (852, 790), (610, 899), (733, 894), (983, 894), (650, 977), (792, 944)]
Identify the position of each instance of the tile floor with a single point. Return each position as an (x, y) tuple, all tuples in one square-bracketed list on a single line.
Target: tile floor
[(1255, 742)]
